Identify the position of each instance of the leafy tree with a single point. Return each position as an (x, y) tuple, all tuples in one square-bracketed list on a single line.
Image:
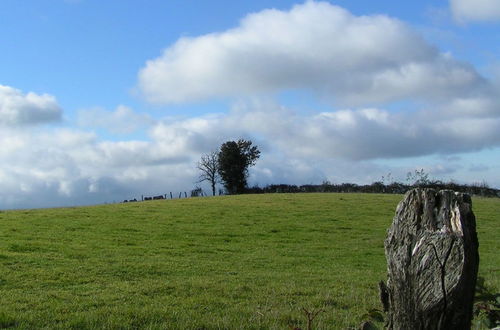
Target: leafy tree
[(234, 160), (209, 167)]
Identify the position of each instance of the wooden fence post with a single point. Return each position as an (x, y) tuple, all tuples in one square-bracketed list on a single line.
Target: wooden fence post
[(432, 262)]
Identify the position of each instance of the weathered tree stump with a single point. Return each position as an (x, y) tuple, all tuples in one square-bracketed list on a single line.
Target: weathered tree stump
[(432, 262)]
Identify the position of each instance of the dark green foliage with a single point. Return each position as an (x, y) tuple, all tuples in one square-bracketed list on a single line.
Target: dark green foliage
[(487, 306), (481, 189), (234, 160)]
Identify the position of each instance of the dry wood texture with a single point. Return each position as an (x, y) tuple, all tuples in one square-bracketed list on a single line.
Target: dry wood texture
[(432, 261)]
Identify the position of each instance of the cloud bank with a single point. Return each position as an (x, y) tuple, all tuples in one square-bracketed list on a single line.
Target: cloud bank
[(63, 166)]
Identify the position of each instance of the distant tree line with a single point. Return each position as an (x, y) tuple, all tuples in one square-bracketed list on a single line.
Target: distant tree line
[(229, 165), (379, 187)]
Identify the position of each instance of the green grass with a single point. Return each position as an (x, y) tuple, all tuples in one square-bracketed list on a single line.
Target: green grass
[(206, 263)]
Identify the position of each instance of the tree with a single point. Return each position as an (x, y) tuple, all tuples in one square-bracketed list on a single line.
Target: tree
[(209, 167), (234, 160)]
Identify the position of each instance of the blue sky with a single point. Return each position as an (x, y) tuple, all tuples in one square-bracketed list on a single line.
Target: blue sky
[(102, 101)]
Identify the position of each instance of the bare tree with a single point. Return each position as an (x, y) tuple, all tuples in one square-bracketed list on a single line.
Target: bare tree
[(209, 167)]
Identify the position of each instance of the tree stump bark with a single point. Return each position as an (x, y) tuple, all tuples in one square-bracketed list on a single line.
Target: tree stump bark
[(432, 262)]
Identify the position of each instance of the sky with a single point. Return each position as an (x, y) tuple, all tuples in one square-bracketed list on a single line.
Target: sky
[(102, 101)]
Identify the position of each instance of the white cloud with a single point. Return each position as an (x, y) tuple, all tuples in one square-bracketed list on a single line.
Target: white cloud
[(361, 62), (17, 108), (123, 120), (316, 46), (478, 106), (55, 166), (368, 133), (475, 10), (362, 134)]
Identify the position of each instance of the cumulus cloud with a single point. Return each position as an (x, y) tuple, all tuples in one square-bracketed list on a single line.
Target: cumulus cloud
[(362, 62), (474, 106), (316, 46), (67, 167), (63, 166), (475, 10), (17, 108), (123, 120), (349, 134), (369, 133)]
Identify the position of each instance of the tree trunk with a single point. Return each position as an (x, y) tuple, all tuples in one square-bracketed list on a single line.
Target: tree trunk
[(432, 261)]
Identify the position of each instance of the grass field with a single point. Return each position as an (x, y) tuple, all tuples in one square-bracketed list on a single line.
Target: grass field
[(232, 262)]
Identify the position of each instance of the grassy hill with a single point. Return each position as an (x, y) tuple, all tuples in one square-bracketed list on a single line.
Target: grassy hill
[(249, 261)]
